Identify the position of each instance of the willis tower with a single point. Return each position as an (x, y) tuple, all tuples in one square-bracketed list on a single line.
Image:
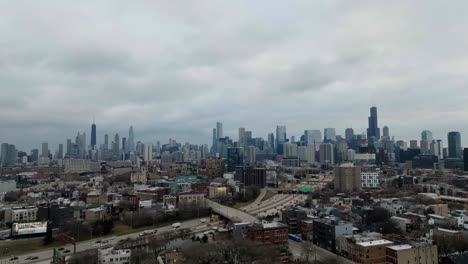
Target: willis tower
[(373, 132)]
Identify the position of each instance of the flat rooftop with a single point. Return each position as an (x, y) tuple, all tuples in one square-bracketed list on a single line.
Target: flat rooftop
[(400, 247), (374, 242)]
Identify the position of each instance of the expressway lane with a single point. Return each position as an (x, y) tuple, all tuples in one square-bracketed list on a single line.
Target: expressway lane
[(45, 256)]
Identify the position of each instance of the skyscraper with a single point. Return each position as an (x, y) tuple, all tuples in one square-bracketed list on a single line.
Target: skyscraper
[(235, 157), (241, 140), (106, 141), (219, 130), (4, 155), (386, 132), (271, 140), (349, 134), (326, 153), (280, 137), (313, 137), (45, 150), (148, 152), (93, 135), (454, 145), (69, 147), (116, 147), (373, 132), (60, 152), (329, 134), (131, 140), (426, 135)]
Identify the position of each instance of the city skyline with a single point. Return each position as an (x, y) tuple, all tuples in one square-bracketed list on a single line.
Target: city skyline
[(275, 73), (219, 126)]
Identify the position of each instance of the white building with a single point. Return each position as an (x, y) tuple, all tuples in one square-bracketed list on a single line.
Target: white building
[(148, 152), (25, 214), (109, 255), (370, 179)]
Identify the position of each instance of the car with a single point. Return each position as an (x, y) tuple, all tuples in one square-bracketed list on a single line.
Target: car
[(203, 220), (34, 258), (97, 245), (60, 249), (111, 238), (105, 241), (98, 242), (66, 251), (28, 258), (14, 258)]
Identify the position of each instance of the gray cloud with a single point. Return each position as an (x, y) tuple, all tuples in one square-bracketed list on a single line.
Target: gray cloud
[(174, 69)]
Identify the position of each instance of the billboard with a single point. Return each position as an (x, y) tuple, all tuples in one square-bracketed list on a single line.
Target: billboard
[(19, 229), (145, 203)]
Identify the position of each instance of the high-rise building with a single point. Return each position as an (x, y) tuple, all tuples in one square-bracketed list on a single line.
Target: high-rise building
[(93, 135), (290, 150), (306, 153), (439, 149), (130, 140), (454, 145), (148, 152), (124, 144), (250, 152), (413, 144), (69, 147), (426, 135), (219, 130), (45, 150), (280, 135), (116, 147), (214, 145), (347, 178), (424, 146), (349, 134), (235, 157), (373, 132), (241, 140), (313, 137), (326, 153), (330, 134), (465, 159), (106, 141), (271, 140), (60, 152), (8, 154), (386, 132)]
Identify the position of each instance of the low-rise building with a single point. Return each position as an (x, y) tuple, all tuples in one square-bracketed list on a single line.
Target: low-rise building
[(268, 233), (190, 198), (327, 230), (110, 255), (217, 191), (370, 179), (423, 253), (24, 214), (372, 252)]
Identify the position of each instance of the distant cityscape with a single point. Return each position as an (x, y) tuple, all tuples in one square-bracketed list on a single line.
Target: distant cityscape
[(372, 145)]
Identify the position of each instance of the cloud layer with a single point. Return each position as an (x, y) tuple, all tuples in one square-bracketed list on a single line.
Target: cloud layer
[(174, 69)]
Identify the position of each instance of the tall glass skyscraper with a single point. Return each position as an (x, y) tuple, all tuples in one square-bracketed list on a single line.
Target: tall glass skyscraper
[(373, 132), (454, 145), (93, 135)]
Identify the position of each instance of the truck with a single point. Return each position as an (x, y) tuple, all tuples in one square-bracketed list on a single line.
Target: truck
[(176, 225)]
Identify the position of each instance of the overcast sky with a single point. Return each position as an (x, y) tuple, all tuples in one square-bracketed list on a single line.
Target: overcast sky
[(174, 68)]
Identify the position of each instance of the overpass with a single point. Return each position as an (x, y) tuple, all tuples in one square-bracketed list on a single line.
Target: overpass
[(233, 214)]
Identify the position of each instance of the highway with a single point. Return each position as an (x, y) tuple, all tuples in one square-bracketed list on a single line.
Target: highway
[(45, 256), (233, 214)]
